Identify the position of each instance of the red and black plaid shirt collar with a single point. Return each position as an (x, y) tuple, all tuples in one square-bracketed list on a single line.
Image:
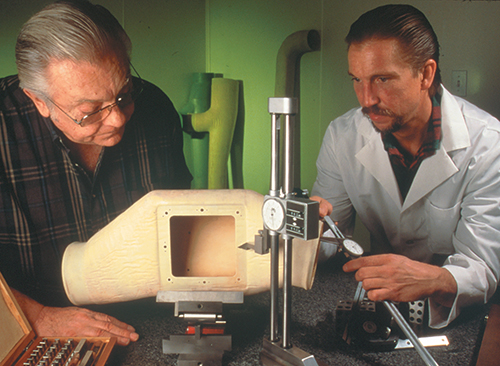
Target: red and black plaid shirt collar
[(431, 143)]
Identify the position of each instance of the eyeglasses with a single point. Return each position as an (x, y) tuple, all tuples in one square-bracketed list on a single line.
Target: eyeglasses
[(122, 101)]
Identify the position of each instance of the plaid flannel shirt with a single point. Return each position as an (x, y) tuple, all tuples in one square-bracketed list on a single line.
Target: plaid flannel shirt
[(47, 201)]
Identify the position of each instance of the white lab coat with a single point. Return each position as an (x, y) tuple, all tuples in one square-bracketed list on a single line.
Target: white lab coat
[(452, 207)]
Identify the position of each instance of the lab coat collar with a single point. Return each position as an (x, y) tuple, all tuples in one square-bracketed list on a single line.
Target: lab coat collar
[(433, 171), (374, 158), (437, 168), (455, 132)]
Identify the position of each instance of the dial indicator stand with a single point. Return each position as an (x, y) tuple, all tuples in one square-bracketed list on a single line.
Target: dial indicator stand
[(290, 217)]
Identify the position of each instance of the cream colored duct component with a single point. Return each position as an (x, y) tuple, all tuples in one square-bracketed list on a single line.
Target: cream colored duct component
[(179, 240)]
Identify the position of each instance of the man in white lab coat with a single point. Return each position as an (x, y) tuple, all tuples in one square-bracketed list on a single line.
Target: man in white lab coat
[(419, 166)]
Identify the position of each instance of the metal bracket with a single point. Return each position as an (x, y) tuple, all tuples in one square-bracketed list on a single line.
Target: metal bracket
[(434, 341), (203, 312), (274, 355), (198, 349), (262, 242)]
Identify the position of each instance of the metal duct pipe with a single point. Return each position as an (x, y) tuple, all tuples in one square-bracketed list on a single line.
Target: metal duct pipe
[(288, 60)]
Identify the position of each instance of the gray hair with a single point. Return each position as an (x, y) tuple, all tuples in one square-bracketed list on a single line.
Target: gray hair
[(68, 30)]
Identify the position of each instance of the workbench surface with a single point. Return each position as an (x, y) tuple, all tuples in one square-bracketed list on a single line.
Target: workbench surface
[(312, 329)]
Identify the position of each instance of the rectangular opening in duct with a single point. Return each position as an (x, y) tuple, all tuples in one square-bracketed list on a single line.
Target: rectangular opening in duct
[(203, 246)]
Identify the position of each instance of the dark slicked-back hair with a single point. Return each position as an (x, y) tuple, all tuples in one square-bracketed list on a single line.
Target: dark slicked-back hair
[(409, 26)]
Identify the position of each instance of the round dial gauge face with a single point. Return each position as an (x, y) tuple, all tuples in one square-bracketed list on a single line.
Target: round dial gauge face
[(352, 248), (273, 214)]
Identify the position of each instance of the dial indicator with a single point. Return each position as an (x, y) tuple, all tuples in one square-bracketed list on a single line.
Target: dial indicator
[(273, 214), (352, 248)]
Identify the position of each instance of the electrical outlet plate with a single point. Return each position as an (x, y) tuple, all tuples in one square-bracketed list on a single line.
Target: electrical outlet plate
[(459, 83)]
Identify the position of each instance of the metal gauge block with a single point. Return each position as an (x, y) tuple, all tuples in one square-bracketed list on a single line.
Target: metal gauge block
[(302, 218)]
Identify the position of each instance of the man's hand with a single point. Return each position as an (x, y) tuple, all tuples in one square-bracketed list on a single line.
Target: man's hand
[(79, 322), (397, 278), (73, 322), (325, 207)]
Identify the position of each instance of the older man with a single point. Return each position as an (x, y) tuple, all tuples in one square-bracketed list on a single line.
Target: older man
[(82, 138), (420, 168)]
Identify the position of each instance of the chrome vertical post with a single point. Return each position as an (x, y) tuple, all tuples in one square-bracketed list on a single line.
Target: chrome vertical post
[(286, 108), (274, 236)]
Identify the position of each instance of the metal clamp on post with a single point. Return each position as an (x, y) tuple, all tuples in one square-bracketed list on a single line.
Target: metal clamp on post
[(204, 341), (291, 217)]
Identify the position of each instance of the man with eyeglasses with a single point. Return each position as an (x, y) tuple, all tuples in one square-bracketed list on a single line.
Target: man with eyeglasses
[(82, 138)]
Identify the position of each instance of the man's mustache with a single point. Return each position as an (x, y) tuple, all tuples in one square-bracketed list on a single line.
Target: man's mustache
[(376, 110)]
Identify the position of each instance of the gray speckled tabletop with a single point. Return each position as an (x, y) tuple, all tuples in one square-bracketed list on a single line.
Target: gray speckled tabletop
[(312, 329)]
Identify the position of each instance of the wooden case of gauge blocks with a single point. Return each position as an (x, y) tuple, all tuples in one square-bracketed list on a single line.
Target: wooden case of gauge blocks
[(20, 346)]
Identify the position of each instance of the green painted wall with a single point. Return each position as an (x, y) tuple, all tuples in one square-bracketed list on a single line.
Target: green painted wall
[(244, 38), (168, 38), (240, 39)]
